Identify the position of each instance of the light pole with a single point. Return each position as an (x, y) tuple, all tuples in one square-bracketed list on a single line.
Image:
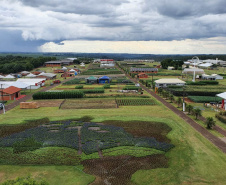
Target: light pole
[(3, 107)]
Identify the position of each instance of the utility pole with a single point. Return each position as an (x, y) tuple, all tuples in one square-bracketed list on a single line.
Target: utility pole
[(183, 100)]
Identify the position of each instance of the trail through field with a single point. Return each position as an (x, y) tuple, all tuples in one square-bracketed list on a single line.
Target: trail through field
[(79, 140)]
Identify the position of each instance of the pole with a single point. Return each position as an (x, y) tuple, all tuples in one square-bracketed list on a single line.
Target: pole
[(183, 101), (152, 81)]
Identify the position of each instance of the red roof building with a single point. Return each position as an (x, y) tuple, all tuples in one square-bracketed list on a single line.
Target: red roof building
[(142, 75), (10, 93)]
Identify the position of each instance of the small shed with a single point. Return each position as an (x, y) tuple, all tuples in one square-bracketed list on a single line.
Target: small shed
[(91, 79), (104, 79), (68, 74), (142, 75), (10, 93), (218, 77)]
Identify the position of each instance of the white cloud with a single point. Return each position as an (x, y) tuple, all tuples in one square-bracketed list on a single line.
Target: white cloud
[(204, 46)]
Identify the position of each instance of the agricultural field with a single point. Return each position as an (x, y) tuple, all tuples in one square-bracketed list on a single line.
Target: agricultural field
[(90, 141)]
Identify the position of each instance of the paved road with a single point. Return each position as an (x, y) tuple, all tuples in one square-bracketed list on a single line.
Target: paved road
[(215, 140)]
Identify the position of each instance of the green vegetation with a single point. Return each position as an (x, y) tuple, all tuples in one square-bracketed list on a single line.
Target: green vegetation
[(204, 99), (14, 64), (29, 144), (58, 95), (79, 87), (24, 180)]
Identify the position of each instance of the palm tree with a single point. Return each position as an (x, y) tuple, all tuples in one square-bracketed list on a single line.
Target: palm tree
[(160, 91), (189, 107), (197, 112), (179, 101), (209, 123), (171, 97)]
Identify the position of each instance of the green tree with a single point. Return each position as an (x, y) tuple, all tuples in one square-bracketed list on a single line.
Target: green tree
[(197, 112), (171, 97), (189, 108), (179, 101), (209, 123)]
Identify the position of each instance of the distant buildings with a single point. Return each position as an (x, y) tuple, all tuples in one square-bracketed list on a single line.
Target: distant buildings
[(58, 63)]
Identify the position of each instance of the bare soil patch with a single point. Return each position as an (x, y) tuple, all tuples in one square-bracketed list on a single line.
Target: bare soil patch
[(88, 104), (118, 170), (49, 103)]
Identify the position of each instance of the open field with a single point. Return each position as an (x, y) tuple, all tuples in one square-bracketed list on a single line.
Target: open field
[(189, 161)]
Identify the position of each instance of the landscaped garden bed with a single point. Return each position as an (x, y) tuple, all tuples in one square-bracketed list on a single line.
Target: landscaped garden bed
[(134, 102)]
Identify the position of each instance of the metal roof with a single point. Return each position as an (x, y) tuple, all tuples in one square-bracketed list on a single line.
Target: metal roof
[(169, 81)]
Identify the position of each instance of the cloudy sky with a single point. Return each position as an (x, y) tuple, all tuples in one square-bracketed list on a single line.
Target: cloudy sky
[(114, 26)]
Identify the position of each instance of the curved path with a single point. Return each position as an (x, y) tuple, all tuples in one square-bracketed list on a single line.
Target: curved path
[(213, 139)]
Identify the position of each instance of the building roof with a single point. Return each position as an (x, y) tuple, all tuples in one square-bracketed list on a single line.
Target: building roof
[(141, 74), (205, 65), (51, 75), (31, 75), (53, 62), (169, 81), (104, 77), (20, 85), (143, 69), (25, 72), (11, 90), (92, 78), (2, 76), (31, 81), (9, 76), (222, 95)]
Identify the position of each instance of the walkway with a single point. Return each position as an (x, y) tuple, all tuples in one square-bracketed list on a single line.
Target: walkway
[(215, 140)]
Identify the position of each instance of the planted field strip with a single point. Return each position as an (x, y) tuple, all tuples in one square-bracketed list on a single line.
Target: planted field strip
[(135, 102), (47, 103), (89, 104), (204, 99)]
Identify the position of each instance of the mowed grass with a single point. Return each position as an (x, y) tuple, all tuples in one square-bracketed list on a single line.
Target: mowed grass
[(193, 160)]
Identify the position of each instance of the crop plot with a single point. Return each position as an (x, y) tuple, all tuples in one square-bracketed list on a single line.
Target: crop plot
[(48, 103), (135, 102), (123, 147), (89, 104)]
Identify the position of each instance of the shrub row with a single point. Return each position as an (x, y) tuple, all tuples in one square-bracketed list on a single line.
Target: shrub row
[(207, 82), (58, 95), (221, 117), (106, 86), (193, 93), (93, 91), (79, 87), (131, 88), (204, 99)]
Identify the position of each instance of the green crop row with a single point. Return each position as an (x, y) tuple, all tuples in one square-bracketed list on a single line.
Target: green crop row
[(131, 88), (204, 99), (58, 95)]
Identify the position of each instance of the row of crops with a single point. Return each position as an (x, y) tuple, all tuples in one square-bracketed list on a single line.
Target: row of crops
[(134, 102), (204, 99), (59, 95)]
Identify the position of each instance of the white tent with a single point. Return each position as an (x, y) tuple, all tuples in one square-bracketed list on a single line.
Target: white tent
[(2, 76), (20, 85), (223, 96), (9, 76), (31, 75), (64, 68), (72, 70)]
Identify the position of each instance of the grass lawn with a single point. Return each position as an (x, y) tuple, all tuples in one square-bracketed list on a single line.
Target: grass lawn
[(193, 160)]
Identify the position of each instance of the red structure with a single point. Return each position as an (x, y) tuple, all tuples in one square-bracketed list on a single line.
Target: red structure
[(10, 93), (142, 75), (59, 71), (68, 74)]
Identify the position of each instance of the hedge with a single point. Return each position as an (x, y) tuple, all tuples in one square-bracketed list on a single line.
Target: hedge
[(206, 82), (107, 86), (193, 93), (221, 117), (93, 91), (131, 88), (79, 87), (204, 99), (58, 95)]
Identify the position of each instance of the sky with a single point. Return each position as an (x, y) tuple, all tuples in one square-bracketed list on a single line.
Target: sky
[(114, 26)]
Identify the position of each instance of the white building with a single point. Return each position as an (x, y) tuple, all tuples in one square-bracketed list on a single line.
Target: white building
[(33, 83), (191, 71), (164, 82)]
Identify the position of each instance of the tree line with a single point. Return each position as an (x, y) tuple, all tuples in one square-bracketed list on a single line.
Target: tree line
[(15, 64)]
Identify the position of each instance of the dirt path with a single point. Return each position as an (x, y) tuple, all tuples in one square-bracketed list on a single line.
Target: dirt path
[(42, 89), (213, 139), (79, 141)]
